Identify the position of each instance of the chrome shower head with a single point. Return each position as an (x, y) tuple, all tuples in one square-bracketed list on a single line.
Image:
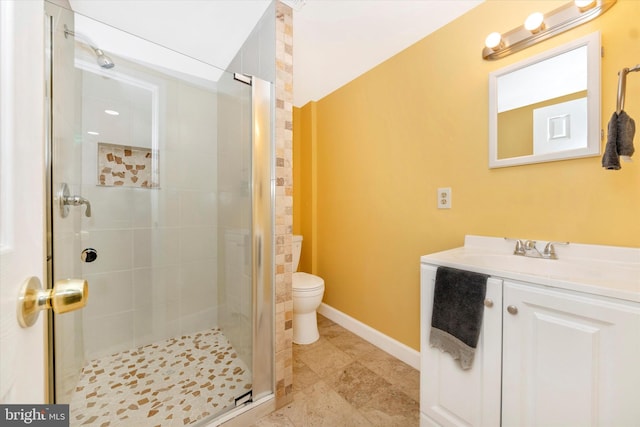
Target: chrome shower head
[(103, 60)]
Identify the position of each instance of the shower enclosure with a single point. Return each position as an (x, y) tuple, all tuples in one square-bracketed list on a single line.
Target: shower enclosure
[(160, 198)]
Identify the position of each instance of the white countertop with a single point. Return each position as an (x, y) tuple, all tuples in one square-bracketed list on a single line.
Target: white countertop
[(601, 270)]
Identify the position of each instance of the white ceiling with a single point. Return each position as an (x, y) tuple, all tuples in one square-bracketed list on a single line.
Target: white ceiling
[(334, 41)]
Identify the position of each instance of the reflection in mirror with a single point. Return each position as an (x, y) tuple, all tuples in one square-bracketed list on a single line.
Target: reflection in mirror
[(547, 107)]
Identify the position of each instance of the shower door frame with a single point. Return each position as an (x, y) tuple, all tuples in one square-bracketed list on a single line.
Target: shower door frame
[(262, 218)]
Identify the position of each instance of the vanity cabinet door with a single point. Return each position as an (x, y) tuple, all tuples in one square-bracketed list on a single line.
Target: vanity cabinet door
[(449, 395), (569, 359)]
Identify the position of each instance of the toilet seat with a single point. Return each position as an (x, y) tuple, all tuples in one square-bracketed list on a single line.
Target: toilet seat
[(305, 282)]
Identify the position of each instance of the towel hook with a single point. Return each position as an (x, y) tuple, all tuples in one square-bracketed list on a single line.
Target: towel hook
[(622, 86)]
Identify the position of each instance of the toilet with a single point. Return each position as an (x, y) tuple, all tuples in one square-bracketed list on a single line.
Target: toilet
[(307, 296)]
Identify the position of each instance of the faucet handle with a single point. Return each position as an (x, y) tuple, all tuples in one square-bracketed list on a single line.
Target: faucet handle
[(519, 249), (78, 201), (550, 250), (66, 200)]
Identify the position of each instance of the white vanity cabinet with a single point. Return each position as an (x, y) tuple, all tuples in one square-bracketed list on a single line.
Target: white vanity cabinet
[(450, 396), (547, 356), (569, 359)]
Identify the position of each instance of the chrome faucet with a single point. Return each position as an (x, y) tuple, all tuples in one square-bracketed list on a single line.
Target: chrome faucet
[(528, 248)]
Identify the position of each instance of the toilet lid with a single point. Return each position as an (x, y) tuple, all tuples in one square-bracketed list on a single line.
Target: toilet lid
[(306, 282)]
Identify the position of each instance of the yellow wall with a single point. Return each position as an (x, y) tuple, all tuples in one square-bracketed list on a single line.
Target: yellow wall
[(305, 194), (381, 145)]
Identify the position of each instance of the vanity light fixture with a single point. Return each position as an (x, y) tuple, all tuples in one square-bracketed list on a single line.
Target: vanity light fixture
[(112, 112), (92, 132), (539, 27)]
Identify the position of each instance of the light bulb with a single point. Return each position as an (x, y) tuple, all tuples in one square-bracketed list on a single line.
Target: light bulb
[(535, 22), (584, 5), (494, 41)]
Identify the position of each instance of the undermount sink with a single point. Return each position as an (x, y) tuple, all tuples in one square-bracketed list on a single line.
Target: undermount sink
[(579, 267)]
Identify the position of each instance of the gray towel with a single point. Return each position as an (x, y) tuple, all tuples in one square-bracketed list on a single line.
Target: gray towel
[(458, 306), (626, 131), (621, 130), (611, 158)]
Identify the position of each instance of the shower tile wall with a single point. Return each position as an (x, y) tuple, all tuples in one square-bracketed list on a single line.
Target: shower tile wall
[(156, 247)]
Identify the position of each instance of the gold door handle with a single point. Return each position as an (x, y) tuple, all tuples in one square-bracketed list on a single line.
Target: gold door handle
[(66, 295)]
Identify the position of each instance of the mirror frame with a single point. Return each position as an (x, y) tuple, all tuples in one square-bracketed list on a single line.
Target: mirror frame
[(592, 41)]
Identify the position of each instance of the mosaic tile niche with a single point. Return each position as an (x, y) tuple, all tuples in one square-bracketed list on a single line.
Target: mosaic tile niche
[(125, 166)]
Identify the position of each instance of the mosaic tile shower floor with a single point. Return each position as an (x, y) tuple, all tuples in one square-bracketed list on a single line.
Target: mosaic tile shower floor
[(175, 382)]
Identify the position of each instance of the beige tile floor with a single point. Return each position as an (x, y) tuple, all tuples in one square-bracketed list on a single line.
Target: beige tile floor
[(342, 380)]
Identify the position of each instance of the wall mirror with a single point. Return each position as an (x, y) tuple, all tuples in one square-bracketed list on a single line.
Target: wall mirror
[(547, 107)]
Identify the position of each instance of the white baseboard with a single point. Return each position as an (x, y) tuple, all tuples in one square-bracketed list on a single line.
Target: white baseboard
[(395, 348)]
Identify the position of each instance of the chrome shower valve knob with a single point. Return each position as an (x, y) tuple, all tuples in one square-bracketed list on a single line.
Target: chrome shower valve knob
[(66, 200)]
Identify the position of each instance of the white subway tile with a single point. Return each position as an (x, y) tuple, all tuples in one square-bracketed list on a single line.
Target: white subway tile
[(114, 249), (109, 293)]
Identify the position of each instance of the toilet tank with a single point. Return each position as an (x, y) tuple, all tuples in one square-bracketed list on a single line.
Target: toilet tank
[(297, 250)]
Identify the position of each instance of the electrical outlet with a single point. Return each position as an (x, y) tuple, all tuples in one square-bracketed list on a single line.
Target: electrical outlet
[(444, 198)]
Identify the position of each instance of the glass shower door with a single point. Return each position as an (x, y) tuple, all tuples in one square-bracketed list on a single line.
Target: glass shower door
[(158, 156)]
